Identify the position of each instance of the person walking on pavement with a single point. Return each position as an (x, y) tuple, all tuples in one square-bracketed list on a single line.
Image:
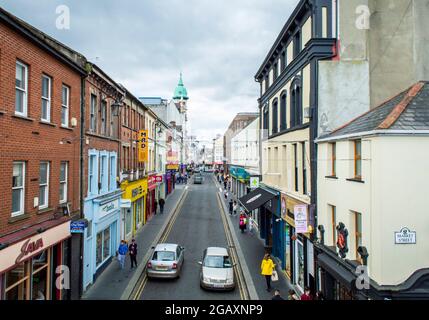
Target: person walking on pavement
[(231, 206), (161, 205), (277, 295), (226, 194), (156, 206), (307, 294), (122, 252), (319, 296), (292, 295), (267, 268), (242, 222), (133, 253), (225, 184)]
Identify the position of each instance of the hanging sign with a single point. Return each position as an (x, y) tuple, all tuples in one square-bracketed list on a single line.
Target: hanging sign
[(254, 182), (301, 218), (143, 146)]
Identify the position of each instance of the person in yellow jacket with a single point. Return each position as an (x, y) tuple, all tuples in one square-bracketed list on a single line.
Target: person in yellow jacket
[(267, 268)]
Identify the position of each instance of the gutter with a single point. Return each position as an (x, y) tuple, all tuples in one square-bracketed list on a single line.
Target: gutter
[(374, 133)]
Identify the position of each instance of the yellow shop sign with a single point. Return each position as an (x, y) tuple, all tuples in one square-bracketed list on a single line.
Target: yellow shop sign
[(134, 190)]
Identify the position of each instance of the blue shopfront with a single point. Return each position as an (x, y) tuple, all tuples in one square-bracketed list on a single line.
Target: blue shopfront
[(240, 181), (102, 236)]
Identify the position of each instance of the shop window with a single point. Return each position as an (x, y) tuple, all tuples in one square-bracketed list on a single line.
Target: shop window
[(16, 283), (128, 222), (40, 276), (299, 264), (287, 250), (103, 251)]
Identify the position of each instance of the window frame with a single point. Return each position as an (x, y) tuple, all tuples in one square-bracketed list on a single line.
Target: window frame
[(93, 113), (333, 159), (64, 182), (274, 116), (283, 111), (357, 159), (22, 188), (103, 117), (65, 107), (358, 233), (45, 185), (24, 112), (47, 99)]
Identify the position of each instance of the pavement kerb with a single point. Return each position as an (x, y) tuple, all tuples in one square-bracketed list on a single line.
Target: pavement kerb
[(140, 268), (246, 273)]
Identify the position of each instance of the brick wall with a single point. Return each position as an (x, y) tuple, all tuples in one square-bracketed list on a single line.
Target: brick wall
[(28, 139)]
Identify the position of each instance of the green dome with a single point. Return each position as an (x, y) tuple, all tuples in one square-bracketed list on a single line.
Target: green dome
[(180, 92)]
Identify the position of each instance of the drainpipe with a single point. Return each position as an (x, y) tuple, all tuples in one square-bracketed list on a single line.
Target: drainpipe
[(82, 163)]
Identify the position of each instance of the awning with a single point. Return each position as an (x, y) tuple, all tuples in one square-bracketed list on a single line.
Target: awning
[(337, 270), (256, 198)]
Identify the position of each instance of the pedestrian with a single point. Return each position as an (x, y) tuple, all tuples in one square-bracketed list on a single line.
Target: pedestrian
[(307, 294), (133, 253), (231, 206), (225, 184), (161, 205), (277, 295), (267, 268), (225, 194), (250, 226), (156, 206), (122, 252), (319, 296), (292, 295), (235, 208), (242, 223)]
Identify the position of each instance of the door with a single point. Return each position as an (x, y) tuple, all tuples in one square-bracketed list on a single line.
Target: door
[(87, 277)]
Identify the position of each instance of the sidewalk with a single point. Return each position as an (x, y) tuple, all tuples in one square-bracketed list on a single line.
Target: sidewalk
[(113, 281), (253, 250)]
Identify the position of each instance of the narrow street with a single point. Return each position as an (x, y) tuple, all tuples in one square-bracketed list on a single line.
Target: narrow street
[(198, 226)]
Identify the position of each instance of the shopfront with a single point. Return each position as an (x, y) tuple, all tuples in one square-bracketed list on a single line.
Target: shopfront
[(168, 184), (151, 198), (29, 262), (298, 257), (240, 181), (102, 236), (133, 216)]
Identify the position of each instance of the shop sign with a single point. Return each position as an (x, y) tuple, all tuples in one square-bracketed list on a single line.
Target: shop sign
[(405, 236), (109, 208), (136, 191), (342, 234), (27, 248), (301, 218), (254, 182), (77, 226), (143, 146), (158, 179), (125, 203)]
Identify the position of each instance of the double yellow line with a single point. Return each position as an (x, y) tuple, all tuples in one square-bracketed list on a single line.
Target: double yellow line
[(244, 295), (143, 280)]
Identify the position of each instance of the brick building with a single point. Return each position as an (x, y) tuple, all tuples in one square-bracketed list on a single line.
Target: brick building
[(39, 159)]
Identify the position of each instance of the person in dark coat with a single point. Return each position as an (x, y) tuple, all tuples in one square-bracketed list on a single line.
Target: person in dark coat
[(161, 205), (133, 253), (230, 206), (277, 295), (156, 206)]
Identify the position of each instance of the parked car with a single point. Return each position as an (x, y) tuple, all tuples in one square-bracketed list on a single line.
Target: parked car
[(198, 179), (217, 270), (166, 262)]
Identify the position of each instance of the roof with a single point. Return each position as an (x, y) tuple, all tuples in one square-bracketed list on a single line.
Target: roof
[(216, 251), (409, 110), (166, 247), (180, 92)]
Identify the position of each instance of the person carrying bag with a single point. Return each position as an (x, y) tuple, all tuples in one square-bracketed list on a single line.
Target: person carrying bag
[(267, 269)]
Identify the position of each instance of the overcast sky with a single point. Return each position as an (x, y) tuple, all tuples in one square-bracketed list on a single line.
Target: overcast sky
[(144, 44)]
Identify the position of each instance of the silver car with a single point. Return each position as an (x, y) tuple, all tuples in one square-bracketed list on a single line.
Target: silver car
[(217, 270), (167, 261)]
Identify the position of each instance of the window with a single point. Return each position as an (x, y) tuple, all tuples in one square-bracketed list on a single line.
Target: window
[(103, 174), (333, 159), (295, 157), (333, 212), (103, 116), (358, 159), (283, 112), (275, 71), (112, 123), (283, 60), (18, 187), (274, 117), (21, 82), (103, 251), (65, 99), (296, 103), (267, 82), (112, 169), (93, 114), (304, 168), (266, 121), (297, 43), (46, 99), (358, 233), (91, 177), (44, 185), (63, 181)]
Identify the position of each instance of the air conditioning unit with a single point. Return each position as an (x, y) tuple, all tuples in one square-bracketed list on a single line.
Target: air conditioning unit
[(307, 113)]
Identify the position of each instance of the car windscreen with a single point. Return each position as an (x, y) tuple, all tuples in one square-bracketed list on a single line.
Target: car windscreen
[(164, 256), (217, 262)]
